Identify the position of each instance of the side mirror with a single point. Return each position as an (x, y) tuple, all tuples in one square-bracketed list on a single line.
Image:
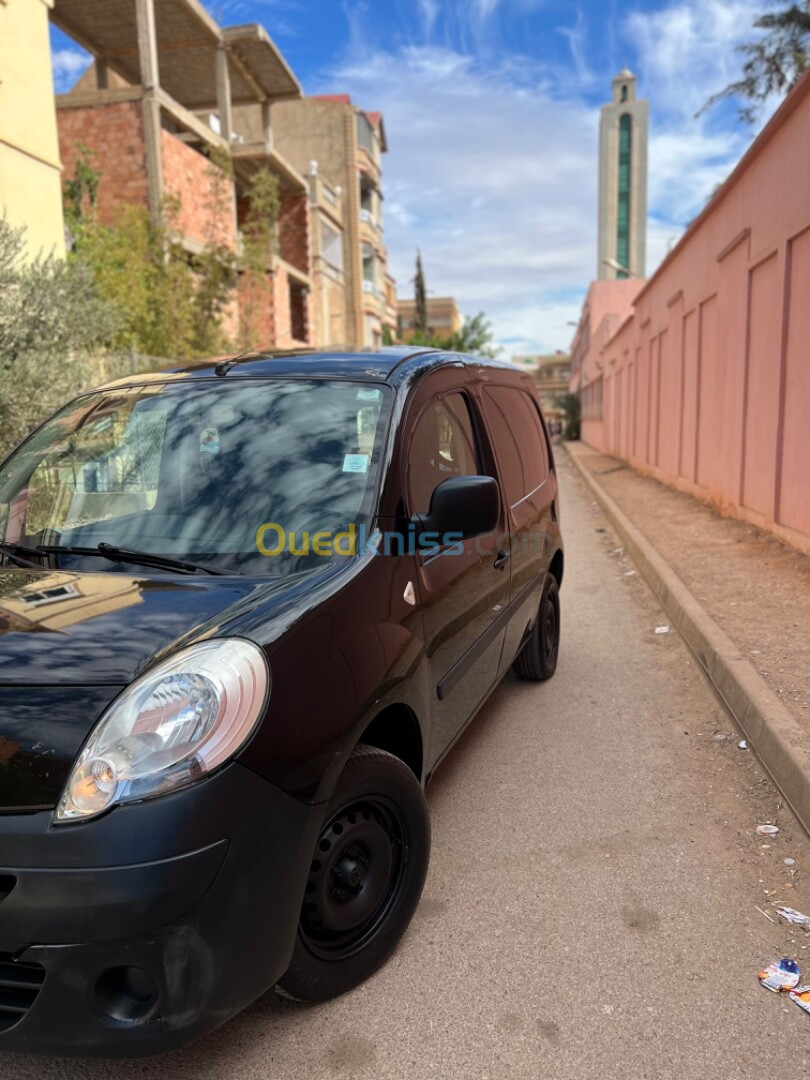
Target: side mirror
[(469, 505)]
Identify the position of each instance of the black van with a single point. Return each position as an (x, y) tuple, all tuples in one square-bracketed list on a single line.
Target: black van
[(245, 610)]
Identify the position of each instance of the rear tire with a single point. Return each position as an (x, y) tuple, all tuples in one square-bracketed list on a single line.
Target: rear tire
[(366, 878), (537, 660)]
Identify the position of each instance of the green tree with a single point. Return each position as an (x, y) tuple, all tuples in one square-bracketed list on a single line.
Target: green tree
[(216, 267), (420, 296), (475, 336), (774, 62), (80, 192), (145, 278), (170, 303), (52, 314), (572, 409), (258, 245)]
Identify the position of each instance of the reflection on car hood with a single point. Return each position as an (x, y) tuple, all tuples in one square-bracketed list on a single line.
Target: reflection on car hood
[(64, 628)]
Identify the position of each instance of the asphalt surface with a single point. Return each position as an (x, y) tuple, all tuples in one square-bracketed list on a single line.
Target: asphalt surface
[(591, 905)]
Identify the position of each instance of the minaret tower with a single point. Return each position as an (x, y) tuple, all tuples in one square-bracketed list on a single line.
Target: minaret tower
[(623, 182)]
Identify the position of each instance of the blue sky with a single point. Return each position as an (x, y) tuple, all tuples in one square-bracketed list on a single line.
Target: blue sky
[(491, 110)]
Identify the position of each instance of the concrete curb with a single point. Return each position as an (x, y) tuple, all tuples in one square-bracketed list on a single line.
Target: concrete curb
[(772, 732)]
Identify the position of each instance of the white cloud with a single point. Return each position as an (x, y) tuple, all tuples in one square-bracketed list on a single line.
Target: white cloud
[(688, 49), (494, 182), (493, 174), (428, 13), (68, 65)]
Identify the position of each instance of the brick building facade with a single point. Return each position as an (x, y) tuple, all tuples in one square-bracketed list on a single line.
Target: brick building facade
[(160, 101)]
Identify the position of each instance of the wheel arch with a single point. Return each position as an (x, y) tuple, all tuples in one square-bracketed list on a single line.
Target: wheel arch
[(396, 729), (557, 566)]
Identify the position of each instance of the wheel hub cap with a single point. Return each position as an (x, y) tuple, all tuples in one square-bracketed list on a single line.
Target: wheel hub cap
[(353, 877)]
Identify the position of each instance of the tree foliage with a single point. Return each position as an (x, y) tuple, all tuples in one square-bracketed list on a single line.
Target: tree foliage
[(475, 336), (172, 303), (572, 411), (774, 62), (52, 314), (420, 297), (258, 246)]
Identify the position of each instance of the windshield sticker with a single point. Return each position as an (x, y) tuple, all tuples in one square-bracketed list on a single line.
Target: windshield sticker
[(355, 463), (209, 441), (369, 395)]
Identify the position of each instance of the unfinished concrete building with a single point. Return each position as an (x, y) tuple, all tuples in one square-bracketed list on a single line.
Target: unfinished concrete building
[(165, 91)]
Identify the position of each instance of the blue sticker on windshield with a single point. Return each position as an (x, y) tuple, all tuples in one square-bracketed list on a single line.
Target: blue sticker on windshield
[(209, 441), (355, 463), (369, 395)]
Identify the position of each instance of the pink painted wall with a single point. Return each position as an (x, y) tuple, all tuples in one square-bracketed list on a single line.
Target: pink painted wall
[(707, 384)]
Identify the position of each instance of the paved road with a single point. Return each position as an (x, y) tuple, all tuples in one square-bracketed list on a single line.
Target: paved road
[(590, 906)]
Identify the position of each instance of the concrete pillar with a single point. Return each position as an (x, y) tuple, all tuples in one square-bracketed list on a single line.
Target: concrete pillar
[(147, 44), (223, 79), (354, 262), (150, 80), (267, 132)]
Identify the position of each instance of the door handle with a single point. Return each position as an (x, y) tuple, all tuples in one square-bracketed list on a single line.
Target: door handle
[(502, 558)]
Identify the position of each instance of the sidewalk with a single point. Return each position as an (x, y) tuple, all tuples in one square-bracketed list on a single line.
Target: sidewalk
[(745, 585)]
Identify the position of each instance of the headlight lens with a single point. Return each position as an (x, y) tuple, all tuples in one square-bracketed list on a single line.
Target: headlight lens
[(170, 728)]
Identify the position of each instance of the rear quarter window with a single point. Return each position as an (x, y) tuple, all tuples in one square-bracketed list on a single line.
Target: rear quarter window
[(520, 443)]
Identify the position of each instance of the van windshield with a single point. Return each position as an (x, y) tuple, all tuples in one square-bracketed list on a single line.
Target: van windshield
[(193, 470)]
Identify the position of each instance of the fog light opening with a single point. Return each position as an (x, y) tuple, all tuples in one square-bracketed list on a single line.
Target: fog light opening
[(127, 995)]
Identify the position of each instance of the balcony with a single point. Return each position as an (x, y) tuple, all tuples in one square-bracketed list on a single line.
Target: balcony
[(326, 198)]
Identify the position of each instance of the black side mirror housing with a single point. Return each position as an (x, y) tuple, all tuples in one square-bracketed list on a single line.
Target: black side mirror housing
[(462, 505)]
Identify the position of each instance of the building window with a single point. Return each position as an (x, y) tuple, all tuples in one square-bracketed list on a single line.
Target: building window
[(624, 93), (592, 400), (372, 333), (365, 134), (367, 207), (298, 311), (332, 246), (623, 226), (369, 268)]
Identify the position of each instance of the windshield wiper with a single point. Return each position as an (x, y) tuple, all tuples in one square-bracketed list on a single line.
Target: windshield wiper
[(17, 552), (128, 555)]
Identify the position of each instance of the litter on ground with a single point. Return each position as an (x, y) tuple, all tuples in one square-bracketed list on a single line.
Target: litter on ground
[(792, 916), (782, 975)]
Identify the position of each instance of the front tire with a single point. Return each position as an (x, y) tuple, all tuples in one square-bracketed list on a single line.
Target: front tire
[(537, 660), (366, 877)]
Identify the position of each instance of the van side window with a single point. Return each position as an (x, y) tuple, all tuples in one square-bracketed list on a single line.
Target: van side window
[(519, 440), (443, 445)]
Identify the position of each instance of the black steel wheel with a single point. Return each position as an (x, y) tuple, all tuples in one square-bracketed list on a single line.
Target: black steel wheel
[(365, 879), (537, 660)]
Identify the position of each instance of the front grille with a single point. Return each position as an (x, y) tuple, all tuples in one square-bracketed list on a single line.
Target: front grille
[(19, 985)]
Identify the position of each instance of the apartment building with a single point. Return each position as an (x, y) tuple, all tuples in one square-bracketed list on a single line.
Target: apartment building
[(165, 91), (30, 174), (443, 317), (551, 373), (340, 147)]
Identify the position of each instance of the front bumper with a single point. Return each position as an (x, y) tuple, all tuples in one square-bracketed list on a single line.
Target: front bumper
[(187, 914)]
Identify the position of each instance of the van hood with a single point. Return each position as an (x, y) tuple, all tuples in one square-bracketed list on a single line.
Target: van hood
[(63, 628), (70, 642)]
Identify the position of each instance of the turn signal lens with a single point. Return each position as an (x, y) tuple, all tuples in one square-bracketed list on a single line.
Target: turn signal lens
[(170, 728)]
